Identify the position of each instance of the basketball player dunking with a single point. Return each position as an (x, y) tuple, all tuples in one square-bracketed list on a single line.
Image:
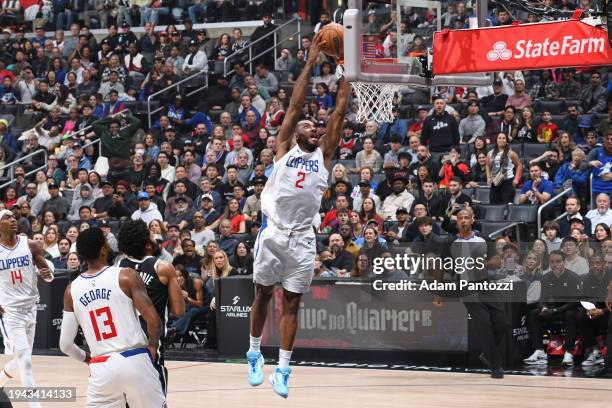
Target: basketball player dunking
[(19, 260), (158, 276), (285, 247), (104, 301)]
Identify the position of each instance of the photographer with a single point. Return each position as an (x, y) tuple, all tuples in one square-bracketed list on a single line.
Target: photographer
[(452, 166)]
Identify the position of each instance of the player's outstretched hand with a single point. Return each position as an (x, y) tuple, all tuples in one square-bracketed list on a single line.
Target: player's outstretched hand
[(315, 48), (46, 274)]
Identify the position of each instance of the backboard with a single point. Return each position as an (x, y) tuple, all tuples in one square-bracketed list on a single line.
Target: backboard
[(393, 44)]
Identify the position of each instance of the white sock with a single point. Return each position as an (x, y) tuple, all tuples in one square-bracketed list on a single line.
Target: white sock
[(284, 356), (254, 344)]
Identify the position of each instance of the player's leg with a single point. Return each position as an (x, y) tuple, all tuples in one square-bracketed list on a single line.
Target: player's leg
[(481, 319), (288, 330), (10, 369), (140, 382), (19, 331), (103, 390), (259, 312), (500, 326), (266, 273)]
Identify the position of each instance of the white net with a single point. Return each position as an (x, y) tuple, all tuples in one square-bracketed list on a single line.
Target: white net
[(374, 99)]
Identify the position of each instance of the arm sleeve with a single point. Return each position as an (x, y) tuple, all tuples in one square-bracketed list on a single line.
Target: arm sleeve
[(70, 326)]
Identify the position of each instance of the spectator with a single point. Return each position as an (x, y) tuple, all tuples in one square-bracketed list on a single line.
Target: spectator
[(440, 130), (195, 60), (547, 131), (602, 213), (520, 99), (265, 79), (560, 288), (593, 97), (263, 46), (537, 190), (284, 62), (495, 104), (569, 87), (225, 237), (189, 259), (572, 209), (545, 88), (473, 125), (570, 174), (400, 198), (551, 235), (452, 166), (147, 211), (573, 261), (298, 65), (599, 161), (504, 171)]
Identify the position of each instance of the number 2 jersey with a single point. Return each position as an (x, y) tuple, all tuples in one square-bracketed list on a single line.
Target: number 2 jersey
[(18, 277), (292, 196), (105, 313)]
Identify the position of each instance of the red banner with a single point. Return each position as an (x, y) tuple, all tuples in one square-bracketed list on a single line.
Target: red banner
[(569, 43)]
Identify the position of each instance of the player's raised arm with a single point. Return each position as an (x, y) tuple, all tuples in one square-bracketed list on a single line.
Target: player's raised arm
[(166, 272), (330, 141), (285, 140), (69, 330), (132, 284)]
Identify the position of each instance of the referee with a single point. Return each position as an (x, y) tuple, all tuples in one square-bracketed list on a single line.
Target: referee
[(158, 276), (488, 317)]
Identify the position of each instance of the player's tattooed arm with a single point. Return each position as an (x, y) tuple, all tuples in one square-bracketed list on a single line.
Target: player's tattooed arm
[(285, 138), (69, 330), (131, 283), (167, 275), (38, 253)]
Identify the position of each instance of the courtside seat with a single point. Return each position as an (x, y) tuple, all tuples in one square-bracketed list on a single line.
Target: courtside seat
[(492, 212)]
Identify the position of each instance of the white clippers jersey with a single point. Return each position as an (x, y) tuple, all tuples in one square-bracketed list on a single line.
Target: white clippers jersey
[(292, 195), (105, 313), (18, 277)]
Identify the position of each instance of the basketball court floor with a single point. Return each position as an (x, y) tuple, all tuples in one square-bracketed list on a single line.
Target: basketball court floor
[(202, 384)]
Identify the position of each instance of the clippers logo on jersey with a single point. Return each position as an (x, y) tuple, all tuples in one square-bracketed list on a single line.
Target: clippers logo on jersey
[(300, 163), (18, 262)]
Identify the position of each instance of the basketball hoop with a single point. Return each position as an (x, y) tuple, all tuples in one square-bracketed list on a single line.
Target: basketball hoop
[(375, 99)]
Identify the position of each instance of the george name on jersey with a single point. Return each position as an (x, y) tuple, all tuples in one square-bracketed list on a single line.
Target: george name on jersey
[(18, 262), (299, 163), (93, 295)]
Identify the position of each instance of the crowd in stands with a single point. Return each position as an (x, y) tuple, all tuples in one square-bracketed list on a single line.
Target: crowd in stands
[(195, 175)]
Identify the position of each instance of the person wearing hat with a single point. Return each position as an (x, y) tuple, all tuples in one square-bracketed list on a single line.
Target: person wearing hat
[(125, 38), (195, 60), (268, 42), (101, 205), (252, 206), (495, 103), (147, 211), (57, 204), (399, 197), (365, 189), (416, 128)]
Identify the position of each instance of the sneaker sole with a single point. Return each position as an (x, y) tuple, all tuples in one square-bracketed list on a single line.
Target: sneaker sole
[(537, 362), (271, 381)]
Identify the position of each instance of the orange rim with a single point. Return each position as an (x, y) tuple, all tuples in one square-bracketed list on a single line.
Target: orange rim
[(381, 61)]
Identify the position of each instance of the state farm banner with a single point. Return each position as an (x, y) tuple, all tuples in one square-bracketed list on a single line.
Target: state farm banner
[(570, 43)]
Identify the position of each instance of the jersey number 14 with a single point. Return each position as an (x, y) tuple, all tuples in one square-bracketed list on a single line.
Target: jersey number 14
[(16, 276), (107, 322)]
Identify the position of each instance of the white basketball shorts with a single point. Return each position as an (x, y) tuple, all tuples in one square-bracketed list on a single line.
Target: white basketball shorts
[(127, 376), (284, 257), (18, 326)]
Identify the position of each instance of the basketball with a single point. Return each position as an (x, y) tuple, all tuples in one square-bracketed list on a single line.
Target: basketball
[(333, 35)]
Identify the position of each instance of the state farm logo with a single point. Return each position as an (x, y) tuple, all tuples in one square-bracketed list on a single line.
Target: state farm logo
[(527, 49), (500, 51)]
